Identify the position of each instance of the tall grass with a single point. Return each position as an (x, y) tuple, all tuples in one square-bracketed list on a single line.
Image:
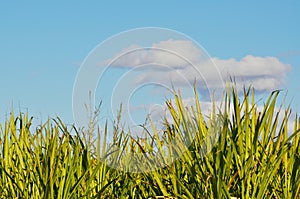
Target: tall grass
[(238, 152)]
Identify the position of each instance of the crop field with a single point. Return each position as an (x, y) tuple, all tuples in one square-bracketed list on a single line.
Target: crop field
[(253, 156)]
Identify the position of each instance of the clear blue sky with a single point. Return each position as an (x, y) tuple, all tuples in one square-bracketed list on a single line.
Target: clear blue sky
[(42, 44)]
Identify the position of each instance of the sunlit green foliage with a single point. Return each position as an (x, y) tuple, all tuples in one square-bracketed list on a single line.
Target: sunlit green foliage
[(253, 156)]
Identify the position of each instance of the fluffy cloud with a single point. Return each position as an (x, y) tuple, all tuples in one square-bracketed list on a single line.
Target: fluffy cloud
[(174, 53), (182, 62), (264, 73)]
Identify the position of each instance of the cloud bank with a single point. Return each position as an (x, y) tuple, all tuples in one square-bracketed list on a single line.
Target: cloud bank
[(182, 62)]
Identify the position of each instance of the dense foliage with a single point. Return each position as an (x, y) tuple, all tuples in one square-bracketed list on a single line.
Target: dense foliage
[(254, 156)]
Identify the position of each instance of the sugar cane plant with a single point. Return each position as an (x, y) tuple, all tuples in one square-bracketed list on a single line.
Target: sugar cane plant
[(252, 156)]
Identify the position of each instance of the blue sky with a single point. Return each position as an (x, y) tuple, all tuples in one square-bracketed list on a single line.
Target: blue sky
[(43, 44)]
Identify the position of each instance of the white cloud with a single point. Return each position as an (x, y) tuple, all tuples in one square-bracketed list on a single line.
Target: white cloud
[(166, 62), (174, 53), (264, 73)]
